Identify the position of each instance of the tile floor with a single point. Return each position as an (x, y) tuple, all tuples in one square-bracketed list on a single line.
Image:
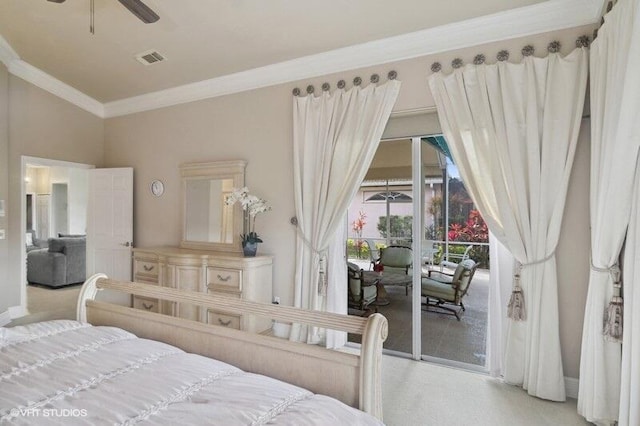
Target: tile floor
[(443, 336)]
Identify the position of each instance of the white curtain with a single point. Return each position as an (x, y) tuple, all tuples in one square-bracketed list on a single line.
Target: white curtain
[(500, 286), (512, 130), (615, 139), (335, 137), (630, 377)]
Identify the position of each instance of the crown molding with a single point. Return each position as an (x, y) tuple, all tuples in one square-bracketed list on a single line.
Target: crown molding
[(41, 79), (539, 18), (551, 15), (7, 54)]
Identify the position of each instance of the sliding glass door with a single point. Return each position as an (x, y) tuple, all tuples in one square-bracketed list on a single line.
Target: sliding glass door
[(405, 209)]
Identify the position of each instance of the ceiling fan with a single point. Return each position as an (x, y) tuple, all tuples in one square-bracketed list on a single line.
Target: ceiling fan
[(137, 7)]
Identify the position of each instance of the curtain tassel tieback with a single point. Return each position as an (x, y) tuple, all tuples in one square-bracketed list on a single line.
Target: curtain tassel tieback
[(321, 259), (614, 313), (516, 307), (322, 279), (516, 310)]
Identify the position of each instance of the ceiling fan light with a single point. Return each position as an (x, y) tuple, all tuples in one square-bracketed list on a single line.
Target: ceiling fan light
[(141, 10)]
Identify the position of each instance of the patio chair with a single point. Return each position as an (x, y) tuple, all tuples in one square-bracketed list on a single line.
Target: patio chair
[(453, 265), (448, 289), (397, 260), (374, 252), (361, 295), (429, 251)]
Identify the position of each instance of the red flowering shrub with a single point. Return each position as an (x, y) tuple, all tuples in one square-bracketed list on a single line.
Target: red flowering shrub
[(474, 230)]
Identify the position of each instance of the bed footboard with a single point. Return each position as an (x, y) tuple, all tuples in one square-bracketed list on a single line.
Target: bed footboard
[(351, 378)]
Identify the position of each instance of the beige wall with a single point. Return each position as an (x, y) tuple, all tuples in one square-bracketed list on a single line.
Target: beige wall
[(573, 254), (43, 125), (257, 126), (4, 183)]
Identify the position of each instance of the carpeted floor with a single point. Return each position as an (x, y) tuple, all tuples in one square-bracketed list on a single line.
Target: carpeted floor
[(443, 336), (45, 303), (420, 393)]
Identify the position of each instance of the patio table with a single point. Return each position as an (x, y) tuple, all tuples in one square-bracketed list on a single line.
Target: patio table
[(381, 280)]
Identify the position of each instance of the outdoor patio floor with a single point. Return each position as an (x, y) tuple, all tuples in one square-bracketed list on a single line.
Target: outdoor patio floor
[(443, 336)]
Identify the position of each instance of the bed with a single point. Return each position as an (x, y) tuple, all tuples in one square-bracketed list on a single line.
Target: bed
[(118, 365)]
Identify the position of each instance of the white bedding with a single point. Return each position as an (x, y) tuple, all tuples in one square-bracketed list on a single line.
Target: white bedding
[(65, 372)]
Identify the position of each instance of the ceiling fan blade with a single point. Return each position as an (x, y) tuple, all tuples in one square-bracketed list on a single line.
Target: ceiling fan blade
[(141, 10)]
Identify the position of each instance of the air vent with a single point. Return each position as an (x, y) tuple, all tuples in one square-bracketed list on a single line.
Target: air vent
[(150, 57)]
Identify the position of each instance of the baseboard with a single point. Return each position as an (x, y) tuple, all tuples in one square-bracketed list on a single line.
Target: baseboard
[(571, 386), (17, 311), (5, 318)]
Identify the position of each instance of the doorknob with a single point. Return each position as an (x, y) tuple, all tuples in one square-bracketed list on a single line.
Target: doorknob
[(127, 244)]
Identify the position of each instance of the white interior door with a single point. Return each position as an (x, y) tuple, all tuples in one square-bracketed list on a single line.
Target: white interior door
[(59, 209), (110, 222), (42, 216)]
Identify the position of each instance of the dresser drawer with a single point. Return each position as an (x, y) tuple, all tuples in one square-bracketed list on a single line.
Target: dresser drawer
[(146, 304), (139, 278), (145, 267), (224, 320), (224, 279)]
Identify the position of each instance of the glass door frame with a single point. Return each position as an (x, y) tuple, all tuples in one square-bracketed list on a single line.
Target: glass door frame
[(417, 190)]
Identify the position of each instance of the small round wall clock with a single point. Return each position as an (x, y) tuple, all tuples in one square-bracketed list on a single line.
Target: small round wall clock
[(157, 187)]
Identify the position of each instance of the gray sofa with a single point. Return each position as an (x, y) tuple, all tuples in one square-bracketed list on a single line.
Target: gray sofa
[(35, 242), (62, 263)]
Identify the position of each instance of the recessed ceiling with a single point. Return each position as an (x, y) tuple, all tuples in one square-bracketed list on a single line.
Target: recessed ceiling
[(206, 39)]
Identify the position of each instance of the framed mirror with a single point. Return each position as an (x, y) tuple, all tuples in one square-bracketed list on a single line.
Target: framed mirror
[(207, 222)]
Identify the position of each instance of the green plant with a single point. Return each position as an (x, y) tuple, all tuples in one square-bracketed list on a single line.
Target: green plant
[(400, 226), (357, 251), (357, 227)]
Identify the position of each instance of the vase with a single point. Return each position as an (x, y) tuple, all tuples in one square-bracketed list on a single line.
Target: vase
[(249, 248)]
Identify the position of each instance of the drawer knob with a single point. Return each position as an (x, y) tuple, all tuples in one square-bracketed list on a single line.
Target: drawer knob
[(224, 279), (148, 268), (147, 307), (224, 323)]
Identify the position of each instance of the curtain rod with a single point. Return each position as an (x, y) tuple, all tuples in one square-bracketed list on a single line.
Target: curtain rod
[(503, 55), (375, 78), (609, 7)]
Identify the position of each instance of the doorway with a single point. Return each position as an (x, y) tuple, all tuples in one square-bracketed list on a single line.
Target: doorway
[(403, 201), (59, 208), (55, 194)]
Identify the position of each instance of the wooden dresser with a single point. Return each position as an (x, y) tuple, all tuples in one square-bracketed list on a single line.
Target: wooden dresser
[(230, 274)]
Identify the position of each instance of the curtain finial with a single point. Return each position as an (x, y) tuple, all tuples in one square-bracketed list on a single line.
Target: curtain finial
[(375, 78), (296, 92), (392, 75), (310, 89), (502, 55), (341, 84), (479, 59), (357, 81), (528, 50), (456, 63), (583, 41), (326, 87), (554, 47), (436, 67)]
